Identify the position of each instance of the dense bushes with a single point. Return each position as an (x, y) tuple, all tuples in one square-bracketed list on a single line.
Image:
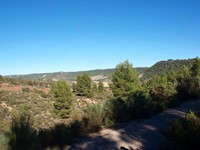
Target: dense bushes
[(26, 89), (189, 82), (184, 134), (137, 105), (22, 136)]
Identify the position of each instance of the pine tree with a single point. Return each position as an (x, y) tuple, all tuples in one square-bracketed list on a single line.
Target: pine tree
[(94, 87), (101, 87), (74, 87), (63, 99), (125, 80), (84, 84)]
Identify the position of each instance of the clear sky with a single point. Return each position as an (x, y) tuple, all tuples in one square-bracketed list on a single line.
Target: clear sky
[(38, 36)]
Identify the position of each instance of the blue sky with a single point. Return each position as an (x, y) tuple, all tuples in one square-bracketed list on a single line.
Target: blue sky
[(38, 36)]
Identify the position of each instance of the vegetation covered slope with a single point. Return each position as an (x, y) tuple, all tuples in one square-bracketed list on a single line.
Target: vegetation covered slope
[(71, 76), (165, 67)]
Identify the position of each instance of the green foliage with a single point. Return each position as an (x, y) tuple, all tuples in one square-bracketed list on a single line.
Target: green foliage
[(195, 69), (93, 117), (19, 81), (84, 84), (101, 87), (26, 89), (137, 105), (17, 101), (94, 87), (63, 99), (184, 134), (25, 107), (4, 113), (125, 80), (4, 139), (189, 81), (165, 67), (161, 88), (74, 87), (1, 79), (22, 135)]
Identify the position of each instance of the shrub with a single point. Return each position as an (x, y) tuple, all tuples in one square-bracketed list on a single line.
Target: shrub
[(26, 89), (22, 135), (188, 88), (139, 104), (184, 134), (115, 111), (4, 141), (93, 117)]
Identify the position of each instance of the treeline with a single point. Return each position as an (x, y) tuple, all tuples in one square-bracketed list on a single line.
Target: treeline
[(19, 81), (165, 67), (131, 100)]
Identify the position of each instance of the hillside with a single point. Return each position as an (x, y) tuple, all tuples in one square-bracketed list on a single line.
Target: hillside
[(165, 67), (96, 75)]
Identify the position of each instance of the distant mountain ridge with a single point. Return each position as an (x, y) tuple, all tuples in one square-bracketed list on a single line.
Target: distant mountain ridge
[(103, 74), (96, 75)]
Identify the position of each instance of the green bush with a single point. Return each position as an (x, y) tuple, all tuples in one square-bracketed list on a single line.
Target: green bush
[(137, 105), (189, 81), (93, 117), (22, 135), (4, 139), (184, 134), (26, 89), (188, 88)]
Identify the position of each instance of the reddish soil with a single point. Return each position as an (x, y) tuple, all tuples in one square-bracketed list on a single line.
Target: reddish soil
[(17, 88)]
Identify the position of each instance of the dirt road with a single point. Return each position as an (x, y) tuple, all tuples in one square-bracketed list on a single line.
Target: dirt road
[(141, 134)]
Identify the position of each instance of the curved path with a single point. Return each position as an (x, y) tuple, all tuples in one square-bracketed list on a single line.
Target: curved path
[(140, 134)]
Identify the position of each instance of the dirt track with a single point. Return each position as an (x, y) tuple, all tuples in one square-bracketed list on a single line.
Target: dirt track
[(141, 134)]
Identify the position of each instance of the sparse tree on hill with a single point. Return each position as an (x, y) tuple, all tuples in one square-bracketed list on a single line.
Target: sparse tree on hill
[(125, 80), (101, 87), (63, 99)]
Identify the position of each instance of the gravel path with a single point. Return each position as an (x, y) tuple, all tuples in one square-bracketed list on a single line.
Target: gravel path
[(141, 134)]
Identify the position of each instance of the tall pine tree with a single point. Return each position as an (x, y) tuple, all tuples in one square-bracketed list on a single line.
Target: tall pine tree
[(125, 80), (63, 99)]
